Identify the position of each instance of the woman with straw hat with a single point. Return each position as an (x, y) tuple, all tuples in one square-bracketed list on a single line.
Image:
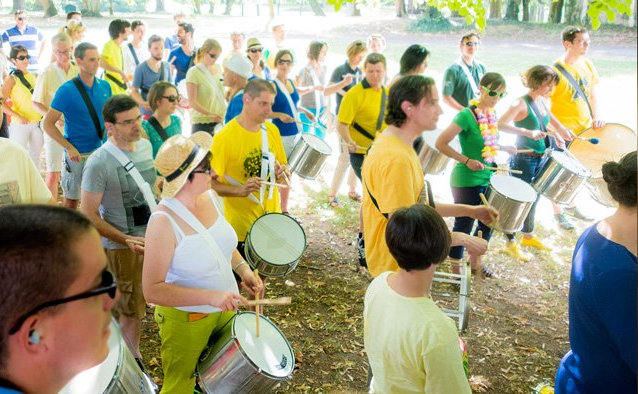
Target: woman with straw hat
[(190, 256)]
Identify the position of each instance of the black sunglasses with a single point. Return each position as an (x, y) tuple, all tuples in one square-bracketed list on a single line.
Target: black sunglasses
[(283, 61), (108, 285), (255, 50), (472, 43), (172, 99), (22, 18), (23, 57)]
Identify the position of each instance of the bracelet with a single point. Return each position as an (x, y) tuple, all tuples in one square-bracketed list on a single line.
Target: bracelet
[(466, 161), (239, 265)]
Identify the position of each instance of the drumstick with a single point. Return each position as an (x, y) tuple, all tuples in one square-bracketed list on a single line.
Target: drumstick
[(256, 272), (503, 169), (282, 185), (524, 150), (484, 200), (358, 146), (270, 301), (593, 141)]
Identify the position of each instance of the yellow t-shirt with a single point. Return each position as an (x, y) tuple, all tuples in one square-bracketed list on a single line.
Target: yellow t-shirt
[(411, 345), (20, 181), (237, 154), (50, 80), (568, 107), (392, 174), (361, 105), (112, 55), (22, 99), (210, 94)]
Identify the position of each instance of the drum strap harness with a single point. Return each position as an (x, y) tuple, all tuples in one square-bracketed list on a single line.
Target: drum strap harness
[(539, 117), (468, 75), (428, 191), (384, 98), (575, 85), (20, 75), (130, 169), (282, 87), (267, 164)]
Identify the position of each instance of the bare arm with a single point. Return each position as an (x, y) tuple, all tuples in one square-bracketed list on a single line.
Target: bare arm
[(596, 122), (338, 87), (226, 190), (41, 108), (113, 69), (135, 94), (49, 125), (9, 83), (516, 112), (344, 132), (449, 100), (443, 143)]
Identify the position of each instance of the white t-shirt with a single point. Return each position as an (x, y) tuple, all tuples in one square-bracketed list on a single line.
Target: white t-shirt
[(129, 62)]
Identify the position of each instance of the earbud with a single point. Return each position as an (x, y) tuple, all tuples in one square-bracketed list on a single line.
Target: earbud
[(34, 337)]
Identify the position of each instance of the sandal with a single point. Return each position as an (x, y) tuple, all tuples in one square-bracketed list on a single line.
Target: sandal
[(485, 272), (334, 202), (354, 196)]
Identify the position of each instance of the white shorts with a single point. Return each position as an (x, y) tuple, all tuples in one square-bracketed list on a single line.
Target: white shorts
[(53, 154)]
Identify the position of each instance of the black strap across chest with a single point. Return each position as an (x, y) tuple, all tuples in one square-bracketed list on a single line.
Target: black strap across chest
[(20, 75), (132, 49), (158, 127), (89, 106), (574, 84)]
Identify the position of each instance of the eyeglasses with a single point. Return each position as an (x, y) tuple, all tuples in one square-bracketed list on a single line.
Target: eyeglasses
[(62, 53), (173, 99), (108, 286), (22, 18), (255, 50), (284, 61), (493, 93), (130, 122), (23, 57), (212, 55), (471, 43)]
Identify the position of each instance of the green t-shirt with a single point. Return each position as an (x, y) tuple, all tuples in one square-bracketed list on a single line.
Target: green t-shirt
[(156, 140), (455, 82), (530, 122), (471, 145)]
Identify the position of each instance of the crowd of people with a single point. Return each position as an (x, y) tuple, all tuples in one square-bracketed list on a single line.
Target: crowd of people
[(173, 208)]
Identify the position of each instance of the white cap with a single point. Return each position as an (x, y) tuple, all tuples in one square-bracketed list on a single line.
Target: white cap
[(239, 64)]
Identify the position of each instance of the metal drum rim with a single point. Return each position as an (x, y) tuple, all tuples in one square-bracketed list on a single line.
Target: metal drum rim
[(513, 199), (311, 136), (608, 124), (296, 222)]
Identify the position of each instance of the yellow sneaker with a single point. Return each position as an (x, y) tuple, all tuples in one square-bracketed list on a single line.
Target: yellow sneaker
[(511, 249), (534, 243)]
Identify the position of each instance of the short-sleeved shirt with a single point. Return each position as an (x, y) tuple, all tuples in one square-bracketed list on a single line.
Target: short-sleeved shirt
[(78, 125), (29, 38), (235, 106), (568, 107), (281, 105), (171, 42), (20, 180), (472, 143), (181, 61), (23, 100), (392, 174), (237, 154), (411, 345), (112, 55), (455, 82), (145, 77), (361, 105), (339, 73), (174, 128), (602, 319), (123, 203), (210, 94), (130, 64), (309, 100), (50, 81)]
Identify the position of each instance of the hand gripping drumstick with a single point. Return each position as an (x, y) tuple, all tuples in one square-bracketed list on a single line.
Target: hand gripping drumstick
[(487, 204), (593, 141), (256, 272), (503, 169)]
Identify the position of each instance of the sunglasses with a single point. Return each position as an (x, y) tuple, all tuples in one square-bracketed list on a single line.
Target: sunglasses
[(23, 57), (255, 50), (493, 93), (22, 18), (472, 44), (173, 99), (282, 62), (107, 286)]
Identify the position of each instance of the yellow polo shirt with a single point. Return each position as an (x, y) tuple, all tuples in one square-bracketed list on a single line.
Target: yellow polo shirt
[(112, 55), (361, 105), (50, 80), (568, 107)]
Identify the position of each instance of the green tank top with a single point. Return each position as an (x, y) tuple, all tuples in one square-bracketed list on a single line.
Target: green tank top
[(530, 122)]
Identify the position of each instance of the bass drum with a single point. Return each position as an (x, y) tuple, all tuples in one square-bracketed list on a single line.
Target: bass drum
[(615, 140)]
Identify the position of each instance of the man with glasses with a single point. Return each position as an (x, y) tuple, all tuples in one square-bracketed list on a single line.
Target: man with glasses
[(461, 80), (51, 256), (183, 57), (83, 124), (149, 72), (27, 36), (56, 73), (114, 196)]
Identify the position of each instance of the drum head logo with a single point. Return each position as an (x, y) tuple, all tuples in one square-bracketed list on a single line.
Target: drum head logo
[(283, 363)]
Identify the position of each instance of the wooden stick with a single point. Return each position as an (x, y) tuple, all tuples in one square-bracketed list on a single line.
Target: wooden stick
[(282, 185), (256, 272), (524, 150), (286, 179), (270, 301), (358, 146), (503, 169), (488, 205)]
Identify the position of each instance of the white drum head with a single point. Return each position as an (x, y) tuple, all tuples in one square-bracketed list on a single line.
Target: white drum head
[(269, 351), (277, 239), (513, 188), (317, 144), (430, 138), (98, 378), (570, 163)]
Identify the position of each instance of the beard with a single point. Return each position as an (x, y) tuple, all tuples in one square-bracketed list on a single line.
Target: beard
[(158, 58)]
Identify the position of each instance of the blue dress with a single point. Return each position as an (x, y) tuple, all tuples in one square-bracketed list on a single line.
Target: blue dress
[(281, 105), (602, 319)]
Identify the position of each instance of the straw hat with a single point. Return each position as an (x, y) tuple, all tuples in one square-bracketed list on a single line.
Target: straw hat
[(253, 43), (178, 157)]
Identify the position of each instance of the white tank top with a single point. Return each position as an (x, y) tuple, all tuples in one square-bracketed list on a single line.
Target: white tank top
[(194, 264)]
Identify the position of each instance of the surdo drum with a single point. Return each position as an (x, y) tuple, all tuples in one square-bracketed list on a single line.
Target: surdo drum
[(242, 362), (561, 177), (274, 244), (308, 156), (512, 198), (118, 373)]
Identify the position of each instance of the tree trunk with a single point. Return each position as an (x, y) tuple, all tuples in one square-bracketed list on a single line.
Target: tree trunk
[(526, 10), (355, 9), (159, 6), (556, 13), (229, 7), (496, 9), (197, 5), (111, 7), (316, 8), (271, 9), (49, 8), (400, 8), (91, 8), (211, 7), (512, 11), (18, 5), (574, 12)]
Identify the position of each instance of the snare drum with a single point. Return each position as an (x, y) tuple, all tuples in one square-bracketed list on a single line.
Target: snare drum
[(432, 161), (512, 198), (308, 156), (561, 177), (118, 373), (275, 244), (239, 361)]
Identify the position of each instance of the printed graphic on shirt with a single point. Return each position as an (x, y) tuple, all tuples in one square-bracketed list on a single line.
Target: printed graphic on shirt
[(9, 193)]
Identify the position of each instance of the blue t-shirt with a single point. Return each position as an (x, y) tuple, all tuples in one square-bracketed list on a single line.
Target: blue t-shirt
[(602, 319), (235, 106), (29, 39), (78, 125), (144, 78), (171, 42), (281, 105), (181, 63)]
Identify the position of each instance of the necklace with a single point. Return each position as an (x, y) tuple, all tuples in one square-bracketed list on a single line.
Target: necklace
[(487, 123)]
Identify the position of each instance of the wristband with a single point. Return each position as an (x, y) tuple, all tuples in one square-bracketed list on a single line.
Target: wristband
[(239, 265), (466, 161)]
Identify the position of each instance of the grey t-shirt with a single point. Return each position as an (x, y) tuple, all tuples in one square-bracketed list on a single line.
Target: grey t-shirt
[(144, 77), (305, 79), (123, 204)]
